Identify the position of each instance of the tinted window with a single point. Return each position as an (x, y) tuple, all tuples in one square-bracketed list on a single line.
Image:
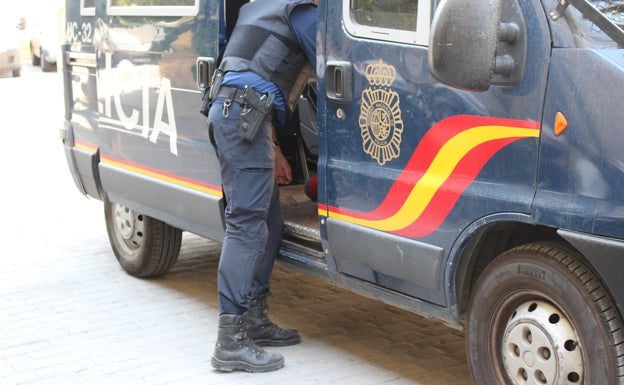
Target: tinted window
[(151, 3), (153, 7), (590, 33), (392, 14), (404, 21)]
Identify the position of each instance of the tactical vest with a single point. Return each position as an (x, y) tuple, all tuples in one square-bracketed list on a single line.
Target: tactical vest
[(263, 42)]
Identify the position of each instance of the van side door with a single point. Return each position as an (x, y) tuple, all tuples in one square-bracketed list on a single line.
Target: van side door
[(156, 155), (409, 163)]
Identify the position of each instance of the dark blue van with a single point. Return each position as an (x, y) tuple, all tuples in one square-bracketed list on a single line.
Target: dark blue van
[(468, 157)]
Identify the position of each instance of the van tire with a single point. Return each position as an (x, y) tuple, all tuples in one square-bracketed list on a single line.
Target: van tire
[(538, 314), (46, 66), (144, 247)]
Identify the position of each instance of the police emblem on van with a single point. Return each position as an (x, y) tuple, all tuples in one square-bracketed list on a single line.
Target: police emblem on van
[(380, 114)]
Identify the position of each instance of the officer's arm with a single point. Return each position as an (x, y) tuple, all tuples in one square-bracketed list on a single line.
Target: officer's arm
[(283, 172), (303, 22)]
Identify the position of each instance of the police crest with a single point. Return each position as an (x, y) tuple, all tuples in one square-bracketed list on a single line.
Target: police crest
[(380, 120)]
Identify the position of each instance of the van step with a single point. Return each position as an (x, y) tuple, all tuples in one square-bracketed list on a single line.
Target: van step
[(300, 214)]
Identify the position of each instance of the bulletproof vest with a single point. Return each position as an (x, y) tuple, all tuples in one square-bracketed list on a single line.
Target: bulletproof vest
[(263, 42)]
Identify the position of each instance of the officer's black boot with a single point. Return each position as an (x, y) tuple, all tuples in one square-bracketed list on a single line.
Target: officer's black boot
[(235, 351), (264, 332)]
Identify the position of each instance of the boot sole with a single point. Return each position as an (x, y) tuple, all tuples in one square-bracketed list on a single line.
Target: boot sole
[(292, 341), (228, 366)]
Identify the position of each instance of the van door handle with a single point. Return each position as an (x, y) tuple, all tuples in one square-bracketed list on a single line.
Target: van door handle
[(338, 81), (205, 69)]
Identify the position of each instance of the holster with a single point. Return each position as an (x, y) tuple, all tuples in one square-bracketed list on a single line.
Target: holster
[(255, 109), (210, 93)]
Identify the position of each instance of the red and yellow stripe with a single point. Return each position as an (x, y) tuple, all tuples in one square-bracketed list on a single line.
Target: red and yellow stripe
[(445, 163), (163, 176), (152, 172), (85, 146)]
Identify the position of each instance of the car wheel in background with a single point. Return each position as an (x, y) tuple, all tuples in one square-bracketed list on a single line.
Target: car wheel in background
[(46, 66), (36, 60)]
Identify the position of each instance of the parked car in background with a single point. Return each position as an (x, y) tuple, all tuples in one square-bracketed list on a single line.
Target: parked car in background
[(44, 44), (10, 57)]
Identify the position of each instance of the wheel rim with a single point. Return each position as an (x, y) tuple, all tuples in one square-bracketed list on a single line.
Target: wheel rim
[(541, 347), (129, 228)]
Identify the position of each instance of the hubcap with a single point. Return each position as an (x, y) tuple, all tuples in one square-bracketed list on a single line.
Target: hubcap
[(129, 227), (541, 347)]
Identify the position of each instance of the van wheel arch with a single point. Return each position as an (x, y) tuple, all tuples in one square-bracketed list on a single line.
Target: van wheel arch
[(484, 246)]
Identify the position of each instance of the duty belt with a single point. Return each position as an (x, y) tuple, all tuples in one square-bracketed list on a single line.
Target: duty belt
[(231, 93), (235, 94)]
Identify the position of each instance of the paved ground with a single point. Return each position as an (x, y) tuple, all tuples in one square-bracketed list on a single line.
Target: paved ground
[(70, 315)]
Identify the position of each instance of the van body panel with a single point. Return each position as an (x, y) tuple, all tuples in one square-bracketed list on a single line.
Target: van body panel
[(420, 160)]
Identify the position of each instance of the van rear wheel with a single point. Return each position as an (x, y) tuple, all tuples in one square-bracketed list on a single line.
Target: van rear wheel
[(144, 247), (538, 315)]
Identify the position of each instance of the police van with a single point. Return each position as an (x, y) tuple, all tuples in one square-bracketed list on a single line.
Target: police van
[(459, 159)]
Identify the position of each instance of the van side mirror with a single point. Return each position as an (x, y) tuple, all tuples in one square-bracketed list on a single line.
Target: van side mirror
[(478, 43)]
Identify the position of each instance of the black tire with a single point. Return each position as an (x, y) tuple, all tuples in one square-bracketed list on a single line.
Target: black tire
[(36, 60), (145, 247), (46, 66), (538, 315)]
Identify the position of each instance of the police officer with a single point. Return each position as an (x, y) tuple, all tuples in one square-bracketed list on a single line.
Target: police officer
[(272, 45)]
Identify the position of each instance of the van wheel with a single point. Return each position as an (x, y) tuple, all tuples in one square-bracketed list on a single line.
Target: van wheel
[(145, 247), (538, 315), (46, 66)]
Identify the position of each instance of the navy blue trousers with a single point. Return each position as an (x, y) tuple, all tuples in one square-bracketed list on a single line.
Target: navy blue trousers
[(253, 218)]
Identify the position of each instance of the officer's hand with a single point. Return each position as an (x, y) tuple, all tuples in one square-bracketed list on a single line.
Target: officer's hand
[(283, 173)]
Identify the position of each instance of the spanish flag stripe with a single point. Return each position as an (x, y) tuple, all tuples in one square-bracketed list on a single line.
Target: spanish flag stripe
[(434, 140), (85, 146), (438, 172), (421, 159), (412, 193), (450, 191)]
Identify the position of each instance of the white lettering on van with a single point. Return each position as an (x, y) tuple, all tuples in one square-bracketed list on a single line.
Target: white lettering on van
[(169, 128), (128, 78), (75, 33)]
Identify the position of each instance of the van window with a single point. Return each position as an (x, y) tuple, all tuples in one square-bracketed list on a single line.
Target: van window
[(397, 14), (588, 33), (150, 3), (153, 7), (404, 21), (87, 7)]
